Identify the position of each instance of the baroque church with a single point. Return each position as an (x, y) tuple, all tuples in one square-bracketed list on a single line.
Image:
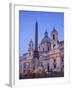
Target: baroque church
[(46, 56)]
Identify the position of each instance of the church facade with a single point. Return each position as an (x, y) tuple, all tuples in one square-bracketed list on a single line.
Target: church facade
[(51, 54)]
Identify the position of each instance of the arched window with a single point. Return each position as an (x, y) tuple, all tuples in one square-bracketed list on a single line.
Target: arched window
[(54, 46), (54, 63), (53, 36)]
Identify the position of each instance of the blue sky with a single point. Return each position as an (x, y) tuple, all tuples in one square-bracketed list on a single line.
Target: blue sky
[(46, 21)]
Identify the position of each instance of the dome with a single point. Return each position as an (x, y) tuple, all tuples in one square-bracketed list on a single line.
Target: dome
[(54, 30), (46, 39)]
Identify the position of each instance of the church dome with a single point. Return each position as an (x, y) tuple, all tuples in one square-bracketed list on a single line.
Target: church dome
[(46, 39)]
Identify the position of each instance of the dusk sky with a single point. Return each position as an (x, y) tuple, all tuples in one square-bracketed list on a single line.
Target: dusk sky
[(46, 21)]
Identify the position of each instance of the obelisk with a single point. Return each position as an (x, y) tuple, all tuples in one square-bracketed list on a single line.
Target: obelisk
[(36, 36), (36, 52)]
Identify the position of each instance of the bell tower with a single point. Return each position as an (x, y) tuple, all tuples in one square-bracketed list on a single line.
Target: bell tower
[(54, 39), (31, 47)]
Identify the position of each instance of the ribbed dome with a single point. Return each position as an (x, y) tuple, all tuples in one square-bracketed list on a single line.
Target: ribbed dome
[(46, 39)]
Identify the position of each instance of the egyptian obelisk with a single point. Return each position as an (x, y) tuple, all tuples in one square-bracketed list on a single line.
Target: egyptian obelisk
[(36, 52)]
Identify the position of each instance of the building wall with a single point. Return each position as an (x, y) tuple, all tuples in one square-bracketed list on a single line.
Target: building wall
[(48, 55)]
